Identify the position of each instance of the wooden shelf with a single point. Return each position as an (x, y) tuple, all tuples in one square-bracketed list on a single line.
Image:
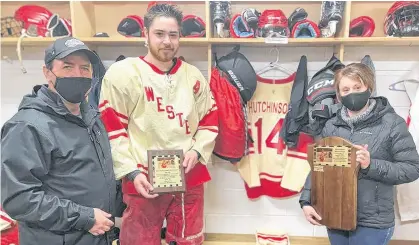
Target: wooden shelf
[(114, 41), (90, 17), (105, 41), (291, 41), (386, 41), (27, 41)]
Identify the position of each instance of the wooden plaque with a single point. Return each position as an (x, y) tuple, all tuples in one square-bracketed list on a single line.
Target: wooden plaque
[(165, 171), (334, 179)]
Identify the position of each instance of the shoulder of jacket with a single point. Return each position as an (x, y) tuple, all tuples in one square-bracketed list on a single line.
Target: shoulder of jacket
[(38, 122), (393, 119)]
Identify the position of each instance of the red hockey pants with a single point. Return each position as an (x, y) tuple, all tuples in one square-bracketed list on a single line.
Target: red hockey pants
[(143, 218)]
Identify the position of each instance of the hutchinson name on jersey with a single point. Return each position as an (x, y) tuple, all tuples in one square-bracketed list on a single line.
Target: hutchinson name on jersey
[(271, 168)]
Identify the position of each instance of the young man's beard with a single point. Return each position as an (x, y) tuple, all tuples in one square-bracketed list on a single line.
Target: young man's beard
[(162, 55)]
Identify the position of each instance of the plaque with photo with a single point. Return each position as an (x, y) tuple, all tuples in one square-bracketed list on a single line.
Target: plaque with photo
[(165, 171)]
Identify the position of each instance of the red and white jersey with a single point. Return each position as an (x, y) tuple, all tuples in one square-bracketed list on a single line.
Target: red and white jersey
[(271, 168), (9, 230), (144, 108), (272, 237), (6, 222)]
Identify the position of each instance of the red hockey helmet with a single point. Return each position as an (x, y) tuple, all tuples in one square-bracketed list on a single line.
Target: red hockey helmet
[(239, 28), (402, 19), (193, 26), (35, 20), (363, 26), (273, 23), (131, 26)]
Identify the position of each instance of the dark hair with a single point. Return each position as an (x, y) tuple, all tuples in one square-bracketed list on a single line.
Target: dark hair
[(160, 10)]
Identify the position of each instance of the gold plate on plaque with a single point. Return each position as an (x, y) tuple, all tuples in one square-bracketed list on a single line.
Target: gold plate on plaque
[(332, 156), (166, 173)]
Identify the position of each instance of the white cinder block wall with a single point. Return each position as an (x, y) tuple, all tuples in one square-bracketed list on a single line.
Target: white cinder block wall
[(227, 208)]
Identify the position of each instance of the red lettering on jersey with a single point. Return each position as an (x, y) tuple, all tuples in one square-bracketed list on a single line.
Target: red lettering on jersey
[(250, 106), (269, 107), (171, 114), (159, 109), (280, 108), (149, 93), (180, 118), (187, 127), (285, 108), (264, 106)]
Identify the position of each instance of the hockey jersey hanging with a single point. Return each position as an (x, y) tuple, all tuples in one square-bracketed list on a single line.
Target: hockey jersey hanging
[(271, 168), (408, 194)]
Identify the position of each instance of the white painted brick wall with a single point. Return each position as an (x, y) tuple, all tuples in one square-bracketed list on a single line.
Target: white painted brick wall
[(227, 209)]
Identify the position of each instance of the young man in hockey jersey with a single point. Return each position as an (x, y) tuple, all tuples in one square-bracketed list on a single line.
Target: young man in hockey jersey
[(159, 102)]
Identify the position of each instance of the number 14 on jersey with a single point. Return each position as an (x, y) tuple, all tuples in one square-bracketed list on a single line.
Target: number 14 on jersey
[(256, 131)]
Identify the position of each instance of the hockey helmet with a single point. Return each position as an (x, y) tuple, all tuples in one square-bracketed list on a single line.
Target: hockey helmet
[(35, 20), (239, 28), (402, 19), (363, 26), (131, 26), (273, 23), (193, 26)]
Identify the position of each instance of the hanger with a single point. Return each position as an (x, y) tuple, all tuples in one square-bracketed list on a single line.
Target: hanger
[(274, 65), (399, 86)]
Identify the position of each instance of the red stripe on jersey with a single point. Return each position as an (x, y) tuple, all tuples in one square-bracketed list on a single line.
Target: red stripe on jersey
[(269, 175), (268, 188), (139, 165), (112, 121), (105, 102), (273, 238), (296, 156), (118, 135), (157, 70), (7, 219)]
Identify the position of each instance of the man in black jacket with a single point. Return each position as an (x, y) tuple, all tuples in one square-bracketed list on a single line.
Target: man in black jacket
[(57, 174)]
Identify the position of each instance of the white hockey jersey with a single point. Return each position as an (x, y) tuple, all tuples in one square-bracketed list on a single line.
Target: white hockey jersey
[(144, 108), (271, 168), (408, 194)]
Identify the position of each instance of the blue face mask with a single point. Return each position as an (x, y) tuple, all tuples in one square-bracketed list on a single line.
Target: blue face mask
[(356, 101)]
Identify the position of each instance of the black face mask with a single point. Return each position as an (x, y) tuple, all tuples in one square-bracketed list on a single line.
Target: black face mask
[(356, 101), (73, 89)]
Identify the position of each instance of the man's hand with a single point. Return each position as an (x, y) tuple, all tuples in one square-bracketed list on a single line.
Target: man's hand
[(311, 215), (102, 222), (143, 187), (363, 156), (190, 160)]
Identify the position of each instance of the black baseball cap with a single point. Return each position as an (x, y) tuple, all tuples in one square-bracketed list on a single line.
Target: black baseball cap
[(65, 46)]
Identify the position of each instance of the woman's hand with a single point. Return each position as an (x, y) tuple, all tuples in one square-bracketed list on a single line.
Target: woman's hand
[(311, 215), (363, 156)]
